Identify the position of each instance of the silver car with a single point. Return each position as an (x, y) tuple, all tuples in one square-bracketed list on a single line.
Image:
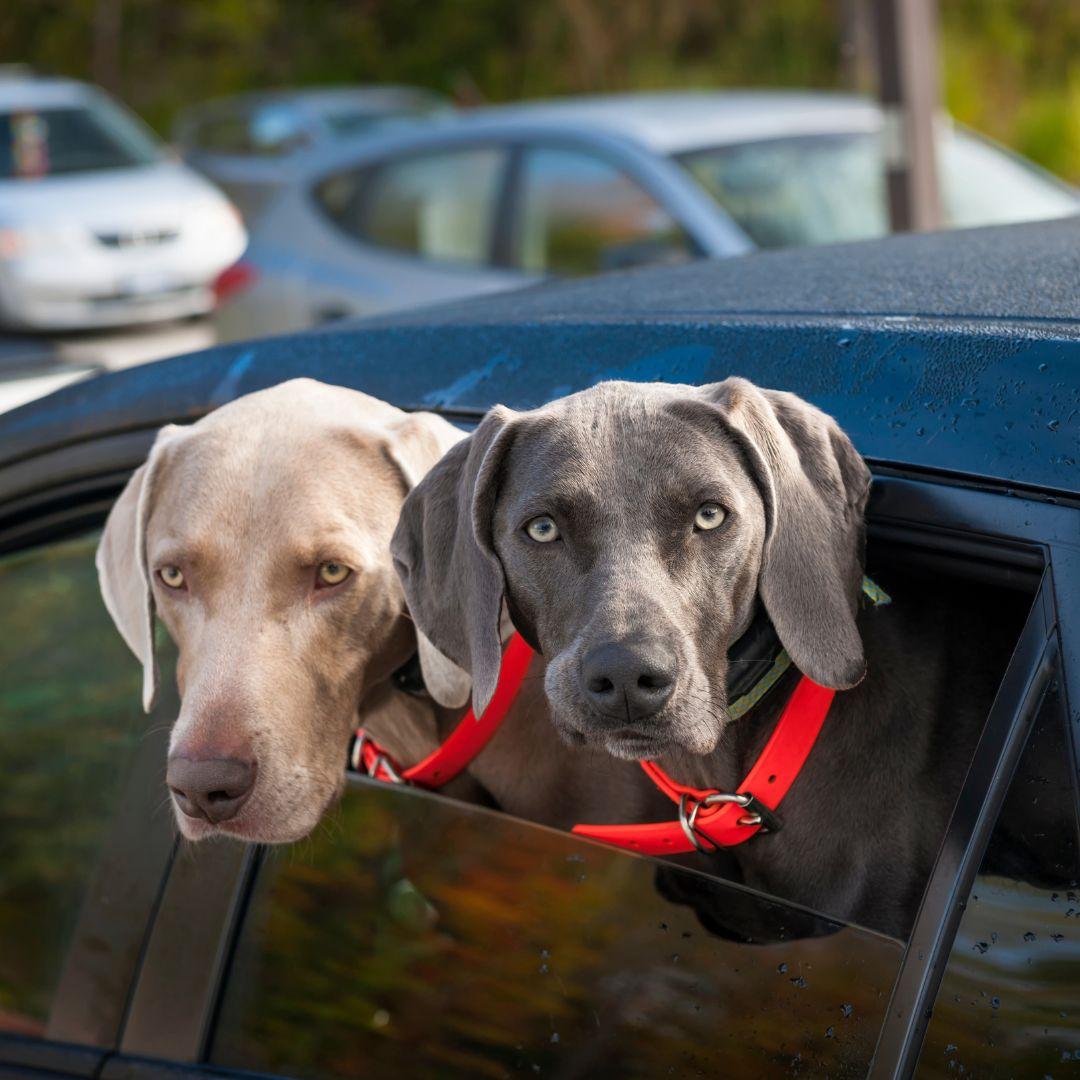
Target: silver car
[(509, 195)]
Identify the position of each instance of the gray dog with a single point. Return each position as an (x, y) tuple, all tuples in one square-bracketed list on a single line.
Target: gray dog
[(635, 532)]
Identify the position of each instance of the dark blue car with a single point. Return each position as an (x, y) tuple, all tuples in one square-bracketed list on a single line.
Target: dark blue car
[(418, 937)]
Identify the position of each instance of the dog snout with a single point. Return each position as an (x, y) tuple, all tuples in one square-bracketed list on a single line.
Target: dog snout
[(629, 681), (213, 788)]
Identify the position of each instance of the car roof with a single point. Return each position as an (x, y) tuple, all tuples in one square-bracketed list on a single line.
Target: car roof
[(677, 121), (34, 92), (660, 123), (955, 353), (1011, 273)]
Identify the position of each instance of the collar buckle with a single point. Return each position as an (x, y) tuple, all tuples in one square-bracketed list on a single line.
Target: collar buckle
[(758, 816)]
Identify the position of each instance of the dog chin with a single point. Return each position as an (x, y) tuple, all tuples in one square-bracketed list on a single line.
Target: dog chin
[(252, 828), (628, 747), (638, 746)]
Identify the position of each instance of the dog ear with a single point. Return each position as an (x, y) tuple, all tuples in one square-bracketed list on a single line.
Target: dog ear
[(414, 445), (123, 570), (814, 486), (417, 442), (444, 555)]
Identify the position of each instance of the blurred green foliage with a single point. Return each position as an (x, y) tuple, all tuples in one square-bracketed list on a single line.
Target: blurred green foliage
[(1011, 67), (415, 937), (69, 724)]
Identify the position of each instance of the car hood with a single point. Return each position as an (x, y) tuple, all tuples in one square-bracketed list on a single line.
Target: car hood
[(154, 196)]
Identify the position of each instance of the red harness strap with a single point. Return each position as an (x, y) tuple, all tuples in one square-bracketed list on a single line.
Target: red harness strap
[(720, 819), (707, 818), (464, 742)]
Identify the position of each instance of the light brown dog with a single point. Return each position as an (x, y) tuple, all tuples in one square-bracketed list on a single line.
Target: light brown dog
[(260, 535)]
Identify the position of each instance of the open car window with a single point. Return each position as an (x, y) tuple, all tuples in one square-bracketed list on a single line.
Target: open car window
[(425, 936)]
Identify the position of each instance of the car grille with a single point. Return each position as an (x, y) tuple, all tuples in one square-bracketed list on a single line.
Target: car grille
[(135, 238)]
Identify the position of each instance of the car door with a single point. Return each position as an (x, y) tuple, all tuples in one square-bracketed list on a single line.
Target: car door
[(410, 934), (84, 841), (414, 935)]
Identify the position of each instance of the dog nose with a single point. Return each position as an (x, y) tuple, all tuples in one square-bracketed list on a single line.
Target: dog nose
[(629, 680), (214, 788)]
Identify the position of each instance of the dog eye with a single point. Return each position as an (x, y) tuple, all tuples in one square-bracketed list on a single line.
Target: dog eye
[(172, 576), (709, 516), (542, 529), (332, 573)]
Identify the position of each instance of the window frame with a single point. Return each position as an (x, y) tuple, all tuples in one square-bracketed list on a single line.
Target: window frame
[(67, 490), (515, 196)]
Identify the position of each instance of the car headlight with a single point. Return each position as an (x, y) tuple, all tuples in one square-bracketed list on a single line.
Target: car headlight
[(215, 218), (17, 243)]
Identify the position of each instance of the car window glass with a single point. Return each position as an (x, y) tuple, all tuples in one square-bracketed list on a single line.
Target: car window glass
[(275, 129), (578, 214), (824, 189), (71, 727), (418, 937), (49, 142), (1009, 1003), (787, 192), (438, 206), (982, 184)]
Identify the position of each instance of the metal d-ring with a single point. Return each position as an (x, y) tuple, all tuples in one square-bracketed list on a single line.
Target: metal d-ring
[(738, 800), (356, 757), (688, 820), (380, 761)]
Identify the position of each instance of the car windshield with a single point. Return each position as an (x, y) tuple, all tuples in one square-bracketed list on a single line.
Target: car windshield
[(824, 189), (71, 139)]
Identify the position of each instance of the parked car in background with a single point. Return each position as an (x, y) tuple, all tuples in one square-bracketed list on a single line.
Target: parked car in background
[(250, 144), (98, 225), (507, 195)]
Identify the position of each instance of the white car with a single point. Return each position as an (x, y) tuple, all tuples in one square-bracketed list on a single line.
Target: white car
[(98, 225)]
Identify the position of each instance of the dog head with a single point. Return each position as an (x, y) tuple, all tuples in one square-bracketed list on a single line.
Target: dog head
[(260, 537), (631, 530)]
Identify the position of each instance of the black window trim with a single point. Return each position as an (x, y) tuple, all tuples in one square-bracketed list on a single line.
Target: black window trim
[(998, 751)]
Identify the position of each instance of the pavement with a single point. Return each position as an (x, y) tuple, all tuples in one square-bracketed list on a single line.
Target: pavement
[(32, 365)]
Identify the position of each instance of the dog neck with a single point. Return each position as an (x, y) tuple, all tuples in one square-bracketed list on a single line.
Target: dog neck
[(760, 680)]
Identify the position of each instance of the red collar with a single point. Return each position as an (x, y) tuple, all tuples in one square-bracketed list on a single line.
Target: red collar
[(463, 743), (707, 818)]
